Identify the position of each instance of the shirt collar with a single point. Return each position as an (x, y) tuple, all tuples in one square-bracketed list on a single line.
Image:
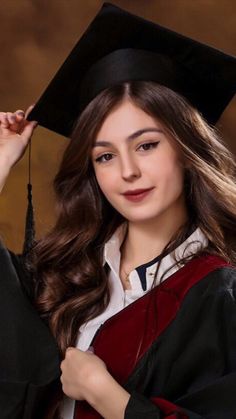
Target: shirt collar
[(190, 246), (111, 254)]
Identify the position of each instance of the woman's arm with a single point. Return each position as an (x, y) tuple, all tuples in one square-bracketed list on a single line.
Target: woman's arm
[(15, 133)]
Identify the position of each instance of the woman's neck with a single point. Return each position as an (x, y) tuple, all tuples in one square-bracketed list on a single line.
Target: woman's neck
[(146, 240)]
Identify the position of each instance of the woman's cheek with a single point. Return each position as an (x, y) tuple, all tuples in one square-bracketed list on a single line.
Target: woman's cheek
[(107, 182)]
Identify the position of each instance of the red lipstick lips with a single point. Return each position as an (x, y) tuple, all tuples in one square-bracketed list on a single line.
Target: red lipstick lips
[(136, 195)]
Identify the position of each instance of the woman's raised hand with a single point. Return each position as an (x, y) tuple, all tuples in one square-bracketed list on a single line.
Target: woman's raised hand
[(15, 133)]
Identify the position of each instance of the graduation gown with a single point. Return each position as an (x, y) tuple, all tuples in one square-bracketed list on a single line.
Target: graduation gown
[(174, 349), (29, 357)]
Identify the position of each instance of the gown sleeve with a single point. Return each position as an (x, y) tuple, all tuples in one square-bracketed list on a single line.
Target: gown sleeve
[(202, 380), (29, 357)]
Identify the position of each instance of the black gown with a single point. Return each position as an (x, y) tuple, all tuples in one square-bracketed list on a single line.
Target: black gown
[(174, 349), (29, 357)]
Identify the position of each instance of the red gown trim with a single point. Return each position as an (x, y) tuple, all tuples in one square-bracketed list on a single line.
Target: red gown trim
[(170, 410), (124, 338)]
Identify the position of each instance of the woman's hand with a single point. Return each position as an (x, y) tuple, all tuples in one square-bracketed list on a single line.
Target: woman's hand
[(85, 377), (15, 133), (80, 372)]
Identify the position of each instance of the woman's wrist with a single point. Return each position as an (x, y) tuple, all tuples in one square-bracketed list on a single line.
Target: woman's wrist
[(5, 168), (106, 396)]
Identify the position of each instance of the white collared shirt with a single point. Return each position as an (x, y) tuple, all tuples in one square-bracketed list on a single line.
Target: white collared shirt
[(120, 298)]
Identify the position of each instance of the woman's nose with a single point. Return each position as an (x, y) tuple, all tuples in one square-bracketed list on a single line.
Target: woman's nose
[(129, 168)]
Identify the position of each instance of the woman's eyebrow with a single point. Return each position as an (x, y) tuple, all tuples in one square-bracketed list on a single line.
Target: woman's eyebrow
[(130, 137)]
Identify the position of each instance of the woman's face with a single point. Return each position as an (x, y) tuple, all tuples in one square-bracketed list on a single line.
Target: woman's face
[(136, 165)]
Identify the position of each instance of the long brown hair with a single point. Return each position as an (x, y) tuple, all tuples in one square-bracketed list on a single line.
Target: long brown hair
[(72, 282)]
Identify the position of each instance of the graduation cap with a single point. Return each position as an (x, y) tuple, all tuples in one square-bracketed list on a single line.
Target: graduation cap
[(119, 47)]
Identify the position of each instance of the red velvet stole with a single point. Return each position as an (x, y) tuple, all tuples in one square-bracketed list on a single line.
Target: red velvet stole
[(124, 338)]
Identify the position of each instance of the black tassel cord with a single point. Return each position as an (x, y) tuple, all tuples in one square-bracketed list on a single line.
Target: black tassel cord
[(29, 239)]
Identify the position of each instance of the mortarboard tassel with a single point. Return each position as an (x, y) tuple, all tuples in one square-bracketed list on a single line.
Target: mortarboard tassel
[(29, 222)]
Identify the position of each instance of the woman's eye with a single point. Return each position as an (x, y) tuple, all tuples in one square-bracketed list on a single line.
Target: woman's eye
[(104, 158), (148, 146)]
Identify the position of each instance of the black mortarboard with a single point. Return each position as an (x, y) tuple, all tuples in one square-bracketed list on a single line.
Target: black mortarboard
[(119, 46)]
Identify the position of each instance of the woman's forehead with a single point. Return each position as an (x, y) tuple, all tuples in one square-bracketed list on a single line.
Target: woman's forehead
[(125, 120)]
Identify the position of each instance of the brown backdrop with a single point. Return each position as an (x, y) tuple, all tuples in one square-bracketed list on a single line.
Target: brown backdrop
[(36, 36)]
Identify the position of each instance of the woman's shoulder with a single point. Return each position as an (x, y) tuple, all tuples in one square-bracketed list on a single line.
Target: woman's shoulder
[(217, 279), (223, 278)]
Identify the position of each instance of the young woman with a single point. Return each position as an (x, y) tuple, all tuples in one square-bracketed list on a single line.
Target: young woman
[(137, 279)]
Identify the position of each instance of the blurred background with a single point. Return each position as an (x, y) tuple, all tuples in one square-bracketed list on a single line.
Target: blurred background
[(35, 38)]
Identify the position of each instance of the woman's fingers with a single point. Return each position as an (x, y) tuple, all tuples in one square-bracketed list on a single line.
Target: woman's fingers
[(3, 120), (28, 110), (27, 131), (11, 121), (19, 115), (2, 116), (15, 122)]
